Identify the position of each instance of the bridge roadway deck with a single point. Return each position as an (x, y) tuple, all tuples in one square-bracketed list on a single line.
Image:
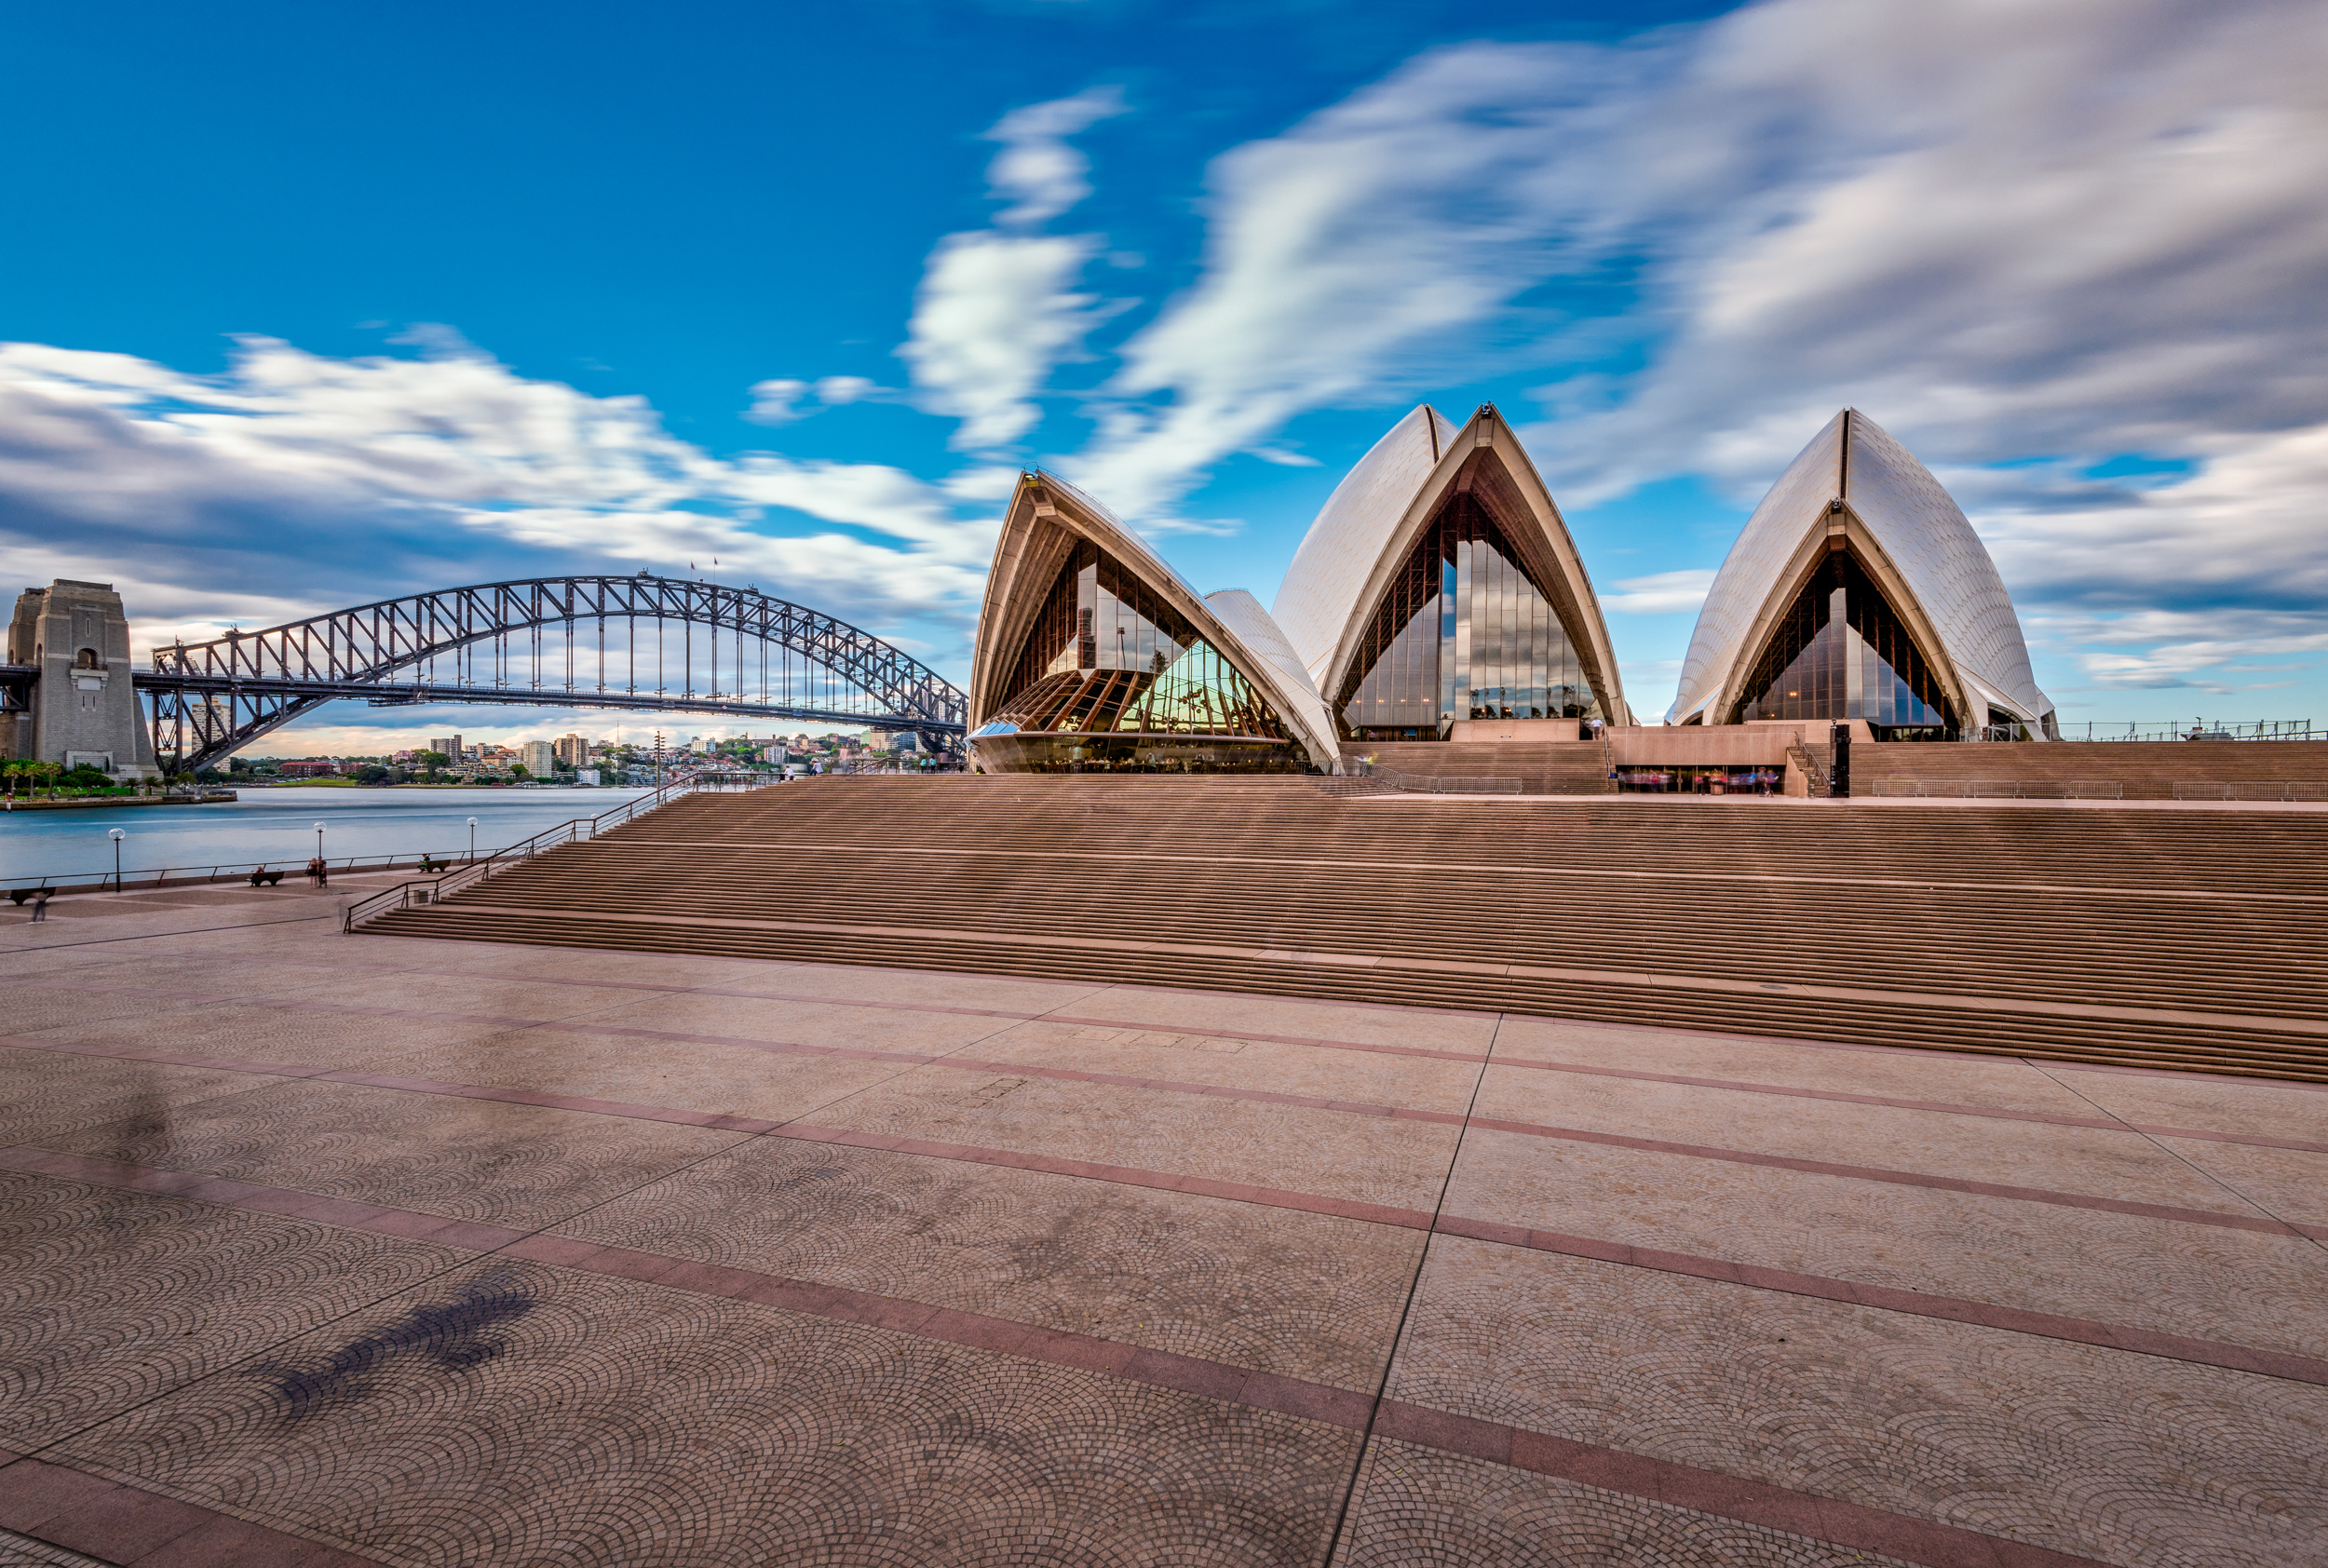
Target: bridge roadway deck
[(329, 1250)]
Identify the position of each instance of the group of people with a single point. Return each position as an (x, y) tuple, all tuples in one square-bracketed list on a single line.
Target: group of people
[(1703, 781)]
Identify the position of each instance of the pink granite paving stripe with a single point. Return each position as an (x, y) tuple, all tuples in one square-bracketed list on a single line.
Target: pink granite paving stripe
[(1613, 1140), (1901, 1178), (2181, 1073), (783, 1048), (1216, 1091), (487, 1238), (482, 1238), (120, 1523), (1123, 1175), (2170, 1073), (1915, 1540), (1952, 1108), (1945, 1107), (1683, 1486), (1214, 1380), (1319, 1041), (1915, 1303), (378, 1219)]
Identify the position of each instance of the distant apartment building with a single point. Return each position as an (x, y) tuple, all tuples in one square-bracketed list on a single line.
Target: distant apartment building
[(308, 767), (539, 757), (571, 750), (450, 745)]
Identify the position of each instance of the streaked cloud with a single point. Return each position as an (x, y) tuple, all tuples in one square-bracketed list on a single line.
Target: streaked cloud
[(344, 480), (995, 314), (2027, 239), (1038, 171), (1660, 593), (998, 308)]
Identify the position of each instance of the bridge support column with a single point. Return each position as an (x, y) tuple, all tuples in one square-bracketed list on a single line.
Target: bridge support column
[(83, 707)]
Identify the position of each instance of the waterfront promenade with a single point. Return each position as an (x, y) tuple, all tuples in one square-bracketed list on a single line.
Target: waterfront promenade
[(326, 1249)]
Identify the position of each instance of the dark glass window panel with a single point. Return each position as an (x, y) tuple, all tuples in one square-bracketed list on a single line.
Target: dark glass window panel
[(1841, 651), (1462, 632)]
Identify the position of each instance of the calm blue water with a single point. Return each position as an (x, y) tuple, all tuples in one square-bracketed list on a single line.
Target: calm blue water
[(279, 825)]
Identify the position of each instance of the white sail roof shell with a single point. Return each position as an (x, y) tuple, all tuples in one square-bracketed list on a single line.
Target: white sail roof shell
[(1350, 533), (1252, 625), (1918, 526)]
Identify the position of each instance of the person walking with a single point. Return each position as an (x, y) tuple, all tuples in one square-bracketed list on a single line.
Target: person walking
[(315, 871), (40, 907)]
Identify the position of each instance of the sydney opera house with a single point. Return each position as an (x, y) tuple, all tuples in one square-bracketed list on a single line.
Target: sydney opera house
[(1438, 596)]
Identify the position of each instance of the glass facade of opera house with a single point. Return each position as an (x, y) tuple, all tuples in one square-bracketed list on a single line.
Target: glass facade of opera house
[(1113, 679), (1841, 652), (1464, 632)]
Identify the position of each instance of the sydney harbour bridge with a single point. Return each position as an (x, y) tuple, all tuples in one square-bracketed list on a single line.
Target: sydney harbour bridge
[(641, 642)]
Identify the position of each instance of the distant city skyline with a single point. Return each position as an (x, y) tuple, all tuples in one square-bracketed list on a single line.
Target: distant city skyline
[(314, 308)]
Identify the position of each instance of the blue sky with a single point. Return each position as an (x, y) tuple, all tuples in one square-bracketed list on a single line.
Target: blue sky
[(309, 306)]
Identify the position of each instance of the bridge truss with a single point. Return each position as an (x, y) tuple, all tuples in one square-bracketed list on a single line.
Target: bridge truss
[(645, 643)]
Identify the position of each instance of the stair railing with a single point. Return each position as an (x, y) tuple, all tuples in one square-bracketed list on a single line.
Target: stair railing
[(1801, 755), (436, 889)]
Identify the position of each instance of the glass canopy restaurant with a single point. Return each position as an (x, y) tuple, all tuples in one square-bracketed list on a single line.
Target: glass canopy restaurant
[(1093, 655), (1438, 588)]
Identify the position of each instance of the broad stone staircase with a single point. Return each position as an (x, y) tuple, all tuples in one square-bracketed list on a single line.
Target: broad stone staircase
[(2136, 938), (2144, 769)]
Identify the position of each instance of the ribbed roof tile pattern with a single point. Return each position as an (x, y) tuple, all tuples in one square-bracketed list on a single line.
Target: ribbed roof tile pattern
[(1352, 529)]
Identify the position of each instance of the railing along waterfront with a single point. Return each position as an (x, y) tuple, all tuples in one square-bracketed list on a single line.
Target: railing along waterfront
[(427, 891), (149, 879)]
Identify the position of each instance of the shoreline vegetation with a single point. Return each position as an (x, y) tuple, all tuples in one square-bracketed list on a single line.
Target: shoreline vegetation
[(26, 803)]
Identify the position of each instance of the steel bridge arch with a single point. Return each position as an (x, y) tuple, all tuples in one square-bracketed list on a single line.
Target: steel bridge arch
[(211, 699)]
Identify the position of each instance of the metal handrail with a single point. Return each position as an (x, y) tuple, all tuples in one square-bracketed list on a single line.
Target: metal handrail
[(2000, 788), (2206, 729), (1436, 784), (2249, 790), (404, 895)]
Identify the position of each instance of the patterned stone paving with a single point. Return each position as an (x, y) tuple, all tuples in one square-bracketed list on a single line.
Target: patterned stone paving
[(319, 1250)]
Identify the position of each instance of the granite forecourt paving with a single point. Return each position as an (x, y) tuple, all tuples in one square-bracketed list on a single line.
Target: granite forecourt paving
[(317, 1251)]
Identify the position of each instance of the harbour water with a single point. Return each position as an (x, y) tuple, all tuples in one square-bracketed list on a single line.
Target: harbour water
[(279, 825)]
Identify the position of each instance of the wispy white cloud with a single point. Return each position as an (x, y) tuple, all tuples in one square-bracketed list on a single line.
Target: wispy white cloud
[(998, 308), (782, 401), (777, 402), (1038, 171)]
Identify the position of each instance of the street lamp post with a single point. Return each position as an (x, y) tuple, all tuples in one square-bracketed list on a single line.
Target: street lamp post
[(472, 838), (117, 835)]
